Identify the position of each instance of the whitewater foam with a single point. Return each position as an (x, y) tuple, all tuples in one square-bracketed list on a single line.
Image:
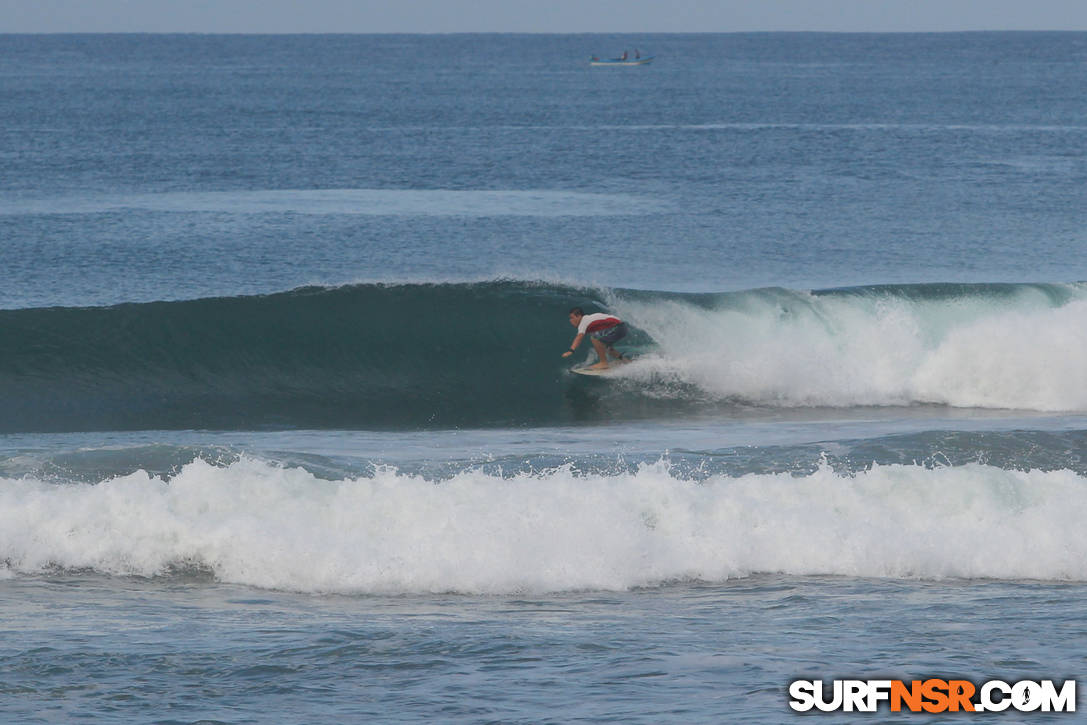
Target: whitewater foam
[(259, 524), (1022, 349)]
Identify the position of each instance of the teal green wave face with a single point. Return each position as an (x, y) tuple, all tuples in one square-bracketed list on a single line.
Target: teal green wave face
[(490, 353)]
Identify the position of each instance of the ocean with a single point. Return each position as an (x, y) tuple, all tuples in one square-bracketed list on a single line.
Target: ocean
[(286, 434)]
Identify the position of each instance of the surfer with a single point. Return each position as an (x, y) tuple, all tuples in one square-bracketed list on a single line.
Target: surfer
[(603, 330)]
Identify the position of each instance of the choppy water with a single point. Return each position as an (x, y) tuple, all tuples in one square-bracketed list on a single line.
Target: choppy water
[(285, 433), (192, 650)]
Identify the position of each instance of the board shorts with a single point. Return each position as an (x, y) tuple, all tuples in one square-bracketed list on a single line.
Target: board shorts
[(610, 335)]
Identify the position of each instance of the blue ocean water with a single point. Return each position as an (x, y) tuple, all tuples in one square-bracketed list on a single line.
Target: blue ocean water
[(285, 433)]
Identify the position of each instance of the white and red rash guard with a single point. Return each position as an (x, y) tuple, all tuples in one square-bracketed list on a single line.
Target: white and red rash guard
[(596, 321)]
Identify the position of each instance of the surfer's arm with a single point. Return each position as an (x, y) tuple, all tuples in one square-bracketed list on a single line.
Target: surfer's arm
[(574, 344)]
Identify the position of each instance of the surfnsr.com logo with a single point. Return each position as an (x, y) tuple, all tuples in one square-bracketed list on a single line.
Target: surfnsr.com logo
[(932, 695)]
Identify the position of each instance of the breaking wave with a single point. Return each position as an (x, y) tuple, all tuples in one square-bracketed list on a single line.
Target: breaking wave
[(483, 354), (255, 523)]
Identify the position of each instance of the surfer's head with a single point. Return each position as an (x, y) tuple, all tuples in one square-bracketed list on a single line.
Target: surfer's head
[(576, 313)]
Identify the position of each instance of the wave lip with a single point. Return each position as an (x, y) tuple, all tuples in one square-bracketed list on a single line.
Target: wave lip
[(256, 524)]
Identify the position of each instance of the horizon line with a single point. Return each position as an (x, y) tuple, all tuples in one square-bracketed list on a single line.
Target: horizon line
[(545, 32)]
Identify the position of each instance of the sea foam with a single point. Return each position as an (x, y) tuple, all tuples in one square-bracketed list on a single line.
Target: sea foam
[(263, 525), (1020, 350)]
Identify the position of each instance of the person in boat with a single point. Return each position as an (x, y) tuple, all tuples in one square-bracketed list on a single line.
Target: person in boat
[(624, 55), (604, 331), (637, 55)]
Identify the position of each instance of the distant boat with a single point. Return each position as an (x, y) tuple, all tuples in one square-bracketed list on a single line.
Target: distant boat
[(621, 61)]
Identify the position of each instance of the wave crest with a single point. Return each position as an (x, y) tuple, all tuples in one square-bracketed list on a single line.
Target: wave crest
[(262, 525), (480, 354)]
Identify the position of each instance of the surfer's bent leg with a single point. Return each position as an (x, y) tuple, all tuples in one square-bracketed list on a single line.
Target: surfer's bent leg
[(611, 336), (601, 353), (604, 339)]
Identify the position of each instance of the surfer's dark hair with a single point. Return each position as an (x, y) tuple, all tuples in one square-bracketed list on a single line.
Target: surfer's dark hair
[(576, 311)]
